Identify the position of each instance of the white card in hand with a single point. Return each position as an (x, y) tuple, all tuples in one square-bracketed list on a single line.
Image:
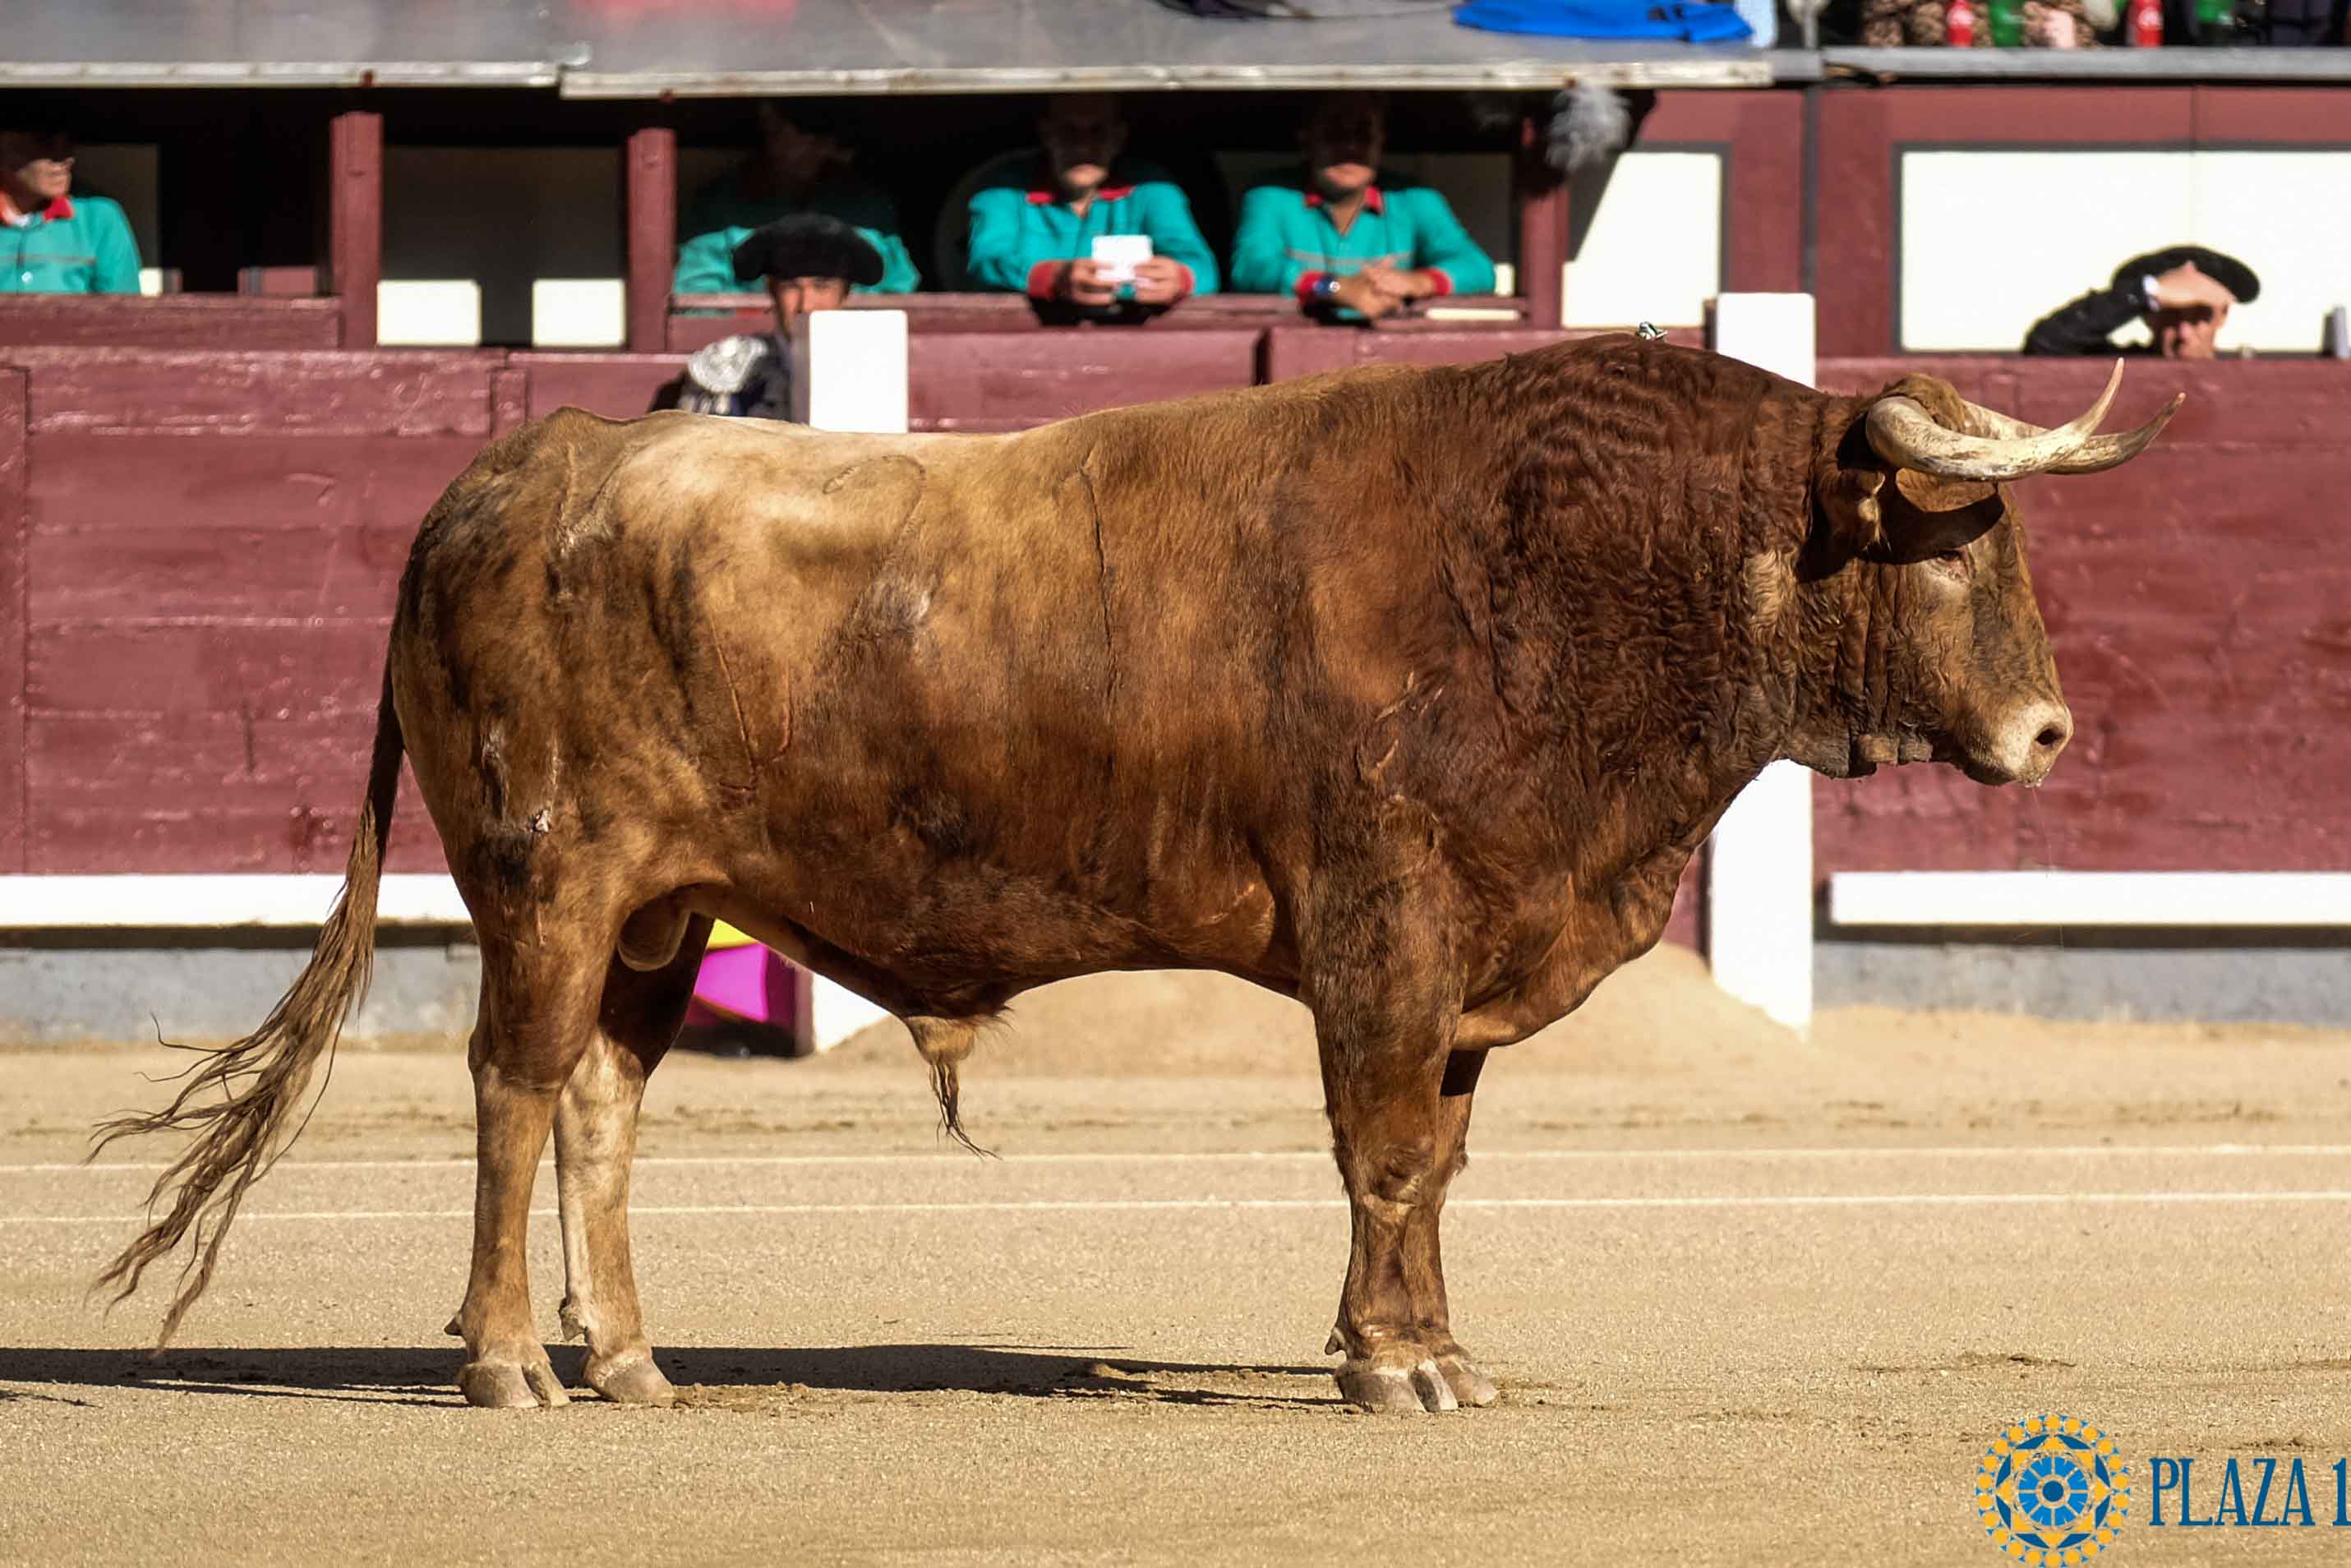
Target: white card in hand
[(1119, 253)]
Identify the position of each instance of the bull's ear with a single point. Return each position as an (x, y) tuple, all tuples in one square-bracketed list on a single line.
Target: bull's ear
[(1850, 513), (1926, 516), (1917, 516)]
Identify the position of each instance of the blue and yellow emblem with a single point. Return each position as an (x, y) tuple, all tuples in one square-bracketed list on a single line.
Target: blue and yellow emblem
[(2052, 1492)]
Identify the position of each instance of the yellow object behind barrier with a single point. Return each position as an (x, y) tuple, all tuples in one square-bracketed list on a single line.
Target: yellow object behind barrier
[(725, 936)]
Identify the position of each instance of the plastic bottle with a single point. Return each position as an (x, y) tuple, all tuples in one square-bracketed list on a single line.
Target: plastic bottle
[(2216, 21), (2146, 24), (1960, 25), (2007, 18)]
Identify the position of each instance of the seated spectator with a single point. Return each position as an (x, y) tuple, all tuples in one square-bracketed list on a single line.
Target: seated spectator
[(52, 241), (794, 171), (1035, 216), (2045, 24), (1345, 239), (2183, 294), (810, 262), (2290, 24)]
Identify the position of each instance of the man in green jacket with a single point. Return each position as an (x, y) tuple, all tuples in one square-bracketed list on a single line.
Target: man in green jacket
[(1344, 240), (1034, 219), (796, 171), (52, 241)]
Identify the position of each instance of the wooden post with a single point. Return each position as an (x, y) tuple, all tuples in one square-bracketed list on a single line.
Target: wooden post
[(651, 163), (1543, 198), (15, 622), (848, 374), (355, 220), (1759, 861)]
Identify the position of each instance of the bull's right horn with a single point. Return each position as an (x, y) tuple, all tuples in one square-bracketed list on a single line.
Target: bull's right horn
[(1902, 432), (2097, 455)]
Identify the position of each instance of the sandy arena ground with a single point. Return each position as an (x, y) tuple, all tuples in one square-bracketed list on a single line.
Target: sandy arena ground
[(1753, 1300)]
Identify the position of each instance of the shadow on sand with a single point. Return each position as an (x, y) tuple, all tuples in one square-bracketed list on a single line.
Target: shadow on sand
[(424, 1376)]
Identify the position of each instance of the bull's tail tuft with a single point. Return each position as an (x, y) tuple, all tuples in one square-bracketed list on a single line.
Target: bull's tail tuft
[(262, 1078)]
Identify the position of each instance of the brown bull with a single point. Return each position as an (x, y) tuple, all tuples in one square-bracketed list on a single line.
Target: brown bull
[(1408, 693)]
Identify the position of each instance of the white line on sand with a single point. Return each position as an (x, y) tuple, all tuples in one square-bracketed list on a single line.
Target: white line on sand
[(1791, 1200), (1480, 1157)]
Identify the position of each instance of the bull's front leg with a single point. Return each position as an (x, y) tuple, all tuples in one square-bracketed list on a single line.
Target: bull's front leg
[(1398, 1102), (1424, 1262)]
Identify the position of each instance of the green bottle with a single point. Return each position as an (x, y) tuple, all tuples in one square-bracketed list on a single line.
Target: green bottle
[(2008, 23), (2216, 21)]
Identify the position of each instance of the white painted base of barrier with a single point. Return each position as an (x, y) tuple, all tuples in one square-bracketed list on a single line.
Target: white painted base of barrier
[(251, 902), (295, 903), (835, 1013), (2208, 899)]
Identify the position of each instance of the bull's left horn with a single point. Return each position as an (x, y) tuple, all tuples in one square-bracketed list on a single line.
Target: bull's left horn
[(1902, 432)]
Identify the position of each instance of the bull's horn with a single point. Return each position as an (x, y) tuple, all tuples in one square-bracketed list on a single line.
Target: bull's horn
[(1902, 432), (2098, 455)]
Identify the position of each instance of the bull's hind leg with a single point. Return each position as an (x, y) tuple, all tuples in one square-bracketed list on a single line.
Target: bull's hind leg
[(538, 1015), (595, 1144), (1385, 1022)]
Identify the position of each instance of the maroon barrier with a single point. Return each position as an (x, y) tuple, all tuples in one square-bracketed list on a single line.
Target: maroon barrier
[(199, 550), (229, 321), (212, 542)]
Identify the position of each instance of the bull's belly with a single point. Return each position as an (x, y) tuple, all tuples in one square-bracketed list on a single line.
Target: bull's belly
[(878, 908)]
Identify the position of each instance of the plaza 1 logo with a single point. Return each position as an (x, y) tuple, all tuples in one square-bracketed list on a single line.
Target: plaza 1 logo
[(2052, 1492)]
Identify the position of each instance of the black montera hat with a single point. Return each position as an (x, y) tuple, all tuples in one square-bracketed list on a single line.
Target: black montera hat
[(806, 245), (2226, 270)]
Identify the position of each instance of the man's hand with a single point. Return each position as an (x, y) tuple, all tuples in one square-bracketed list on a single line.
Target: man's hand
[(2051, 27), (2186, 288), (1083, 283), (1398, 283), (1160, 281), (1358, 292)]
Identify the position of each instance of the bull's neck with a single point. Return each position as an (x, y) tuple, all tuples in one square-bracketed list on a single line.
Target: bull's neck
[(1721, 658)]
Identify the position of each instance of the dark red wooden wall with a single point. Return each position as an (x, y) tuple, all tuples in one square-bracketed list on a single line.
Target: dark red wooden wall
[(198, 553), (209, 543)]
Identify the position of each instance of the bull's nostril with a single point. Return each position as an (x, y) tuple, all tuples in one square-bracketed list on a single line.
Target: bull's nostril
[(2051, 738)]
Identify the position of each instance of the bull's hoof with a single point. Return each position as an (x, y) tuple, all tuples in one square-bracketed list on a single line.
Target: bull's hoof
[(1469, 1385), (631, 1382), (520, 1385), (1382, 1387)]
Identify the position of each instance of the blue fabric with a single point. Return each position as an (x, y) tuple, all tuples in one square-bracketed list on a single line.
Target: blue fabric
[(1691, 21)]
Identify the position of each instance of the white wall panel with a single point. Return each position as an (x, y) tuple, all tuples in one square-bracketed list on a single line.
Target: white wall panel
[(2287, 216), (1974, 280), (1654, 252)]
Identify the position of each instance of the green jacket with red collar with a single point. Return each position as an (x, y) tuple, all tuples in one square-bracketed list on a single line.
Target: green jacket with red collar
[(76, 244), (1022, 231), (1286, 242)]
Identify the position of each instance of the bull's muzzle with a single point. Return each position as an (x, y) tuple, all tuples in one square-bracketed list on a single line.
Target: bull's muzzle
[(2022, 746)]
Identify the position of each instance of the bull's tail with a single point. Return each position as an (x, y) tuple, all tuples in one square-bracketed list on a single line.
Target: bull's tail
[(261, 1079)]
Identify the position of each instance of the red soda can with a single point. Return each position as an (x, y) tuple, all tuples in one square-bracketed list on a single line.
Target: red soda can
[(1960, 25), (2146, 23)]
